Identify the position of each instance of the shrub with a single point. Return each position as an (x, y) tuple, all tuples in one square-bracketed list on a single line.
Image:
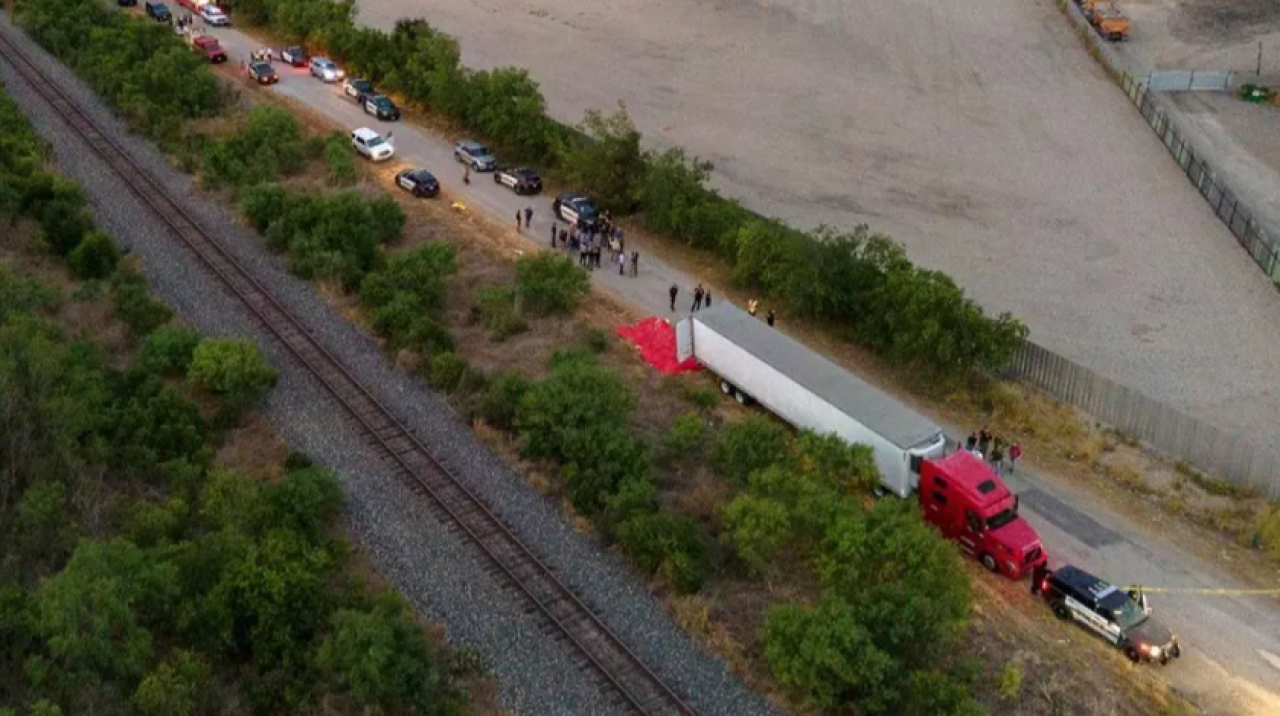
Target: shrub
[(502, 399), (405, 325), (95, 257), (447, 370), (673, 547), (687, 434), (64, 224), (168, 350), (601, 458), (268, 147), (232, 369), (825, 656), (339, 160), (495, 308), (134, 305), (757, 527), (422, 273), (548, 282), (556, 413), (748, 445), (263, 205)]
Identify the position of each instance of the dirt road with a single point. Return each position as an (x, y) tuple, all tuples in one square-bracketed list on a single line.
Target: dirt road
[(1233, 643), (979, 134)]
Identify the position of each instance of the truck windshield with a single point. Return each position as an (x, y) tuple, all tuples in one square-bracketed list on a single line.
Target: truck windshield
[(1001, 518), (1126, 612)]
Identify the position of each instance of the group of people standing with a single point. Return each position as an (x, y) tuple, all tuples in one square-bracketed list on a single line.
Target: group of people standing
[(994, 449), (590, 242)]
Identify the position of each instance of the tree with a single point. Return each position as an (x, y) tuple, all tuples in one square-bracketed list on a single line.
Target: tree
[(168, 349), (905, 581), (95, 257), (824, 655), (847, 468), (502, 399), (422, 273), (176, 687), (339, 160), (757, 527), (382, 660), (153, 424), (306, 501), (548, 282), (577, 396), (41, 526), (233, 369), (606, 159), (93, 615), (134, 305), (748, 445), (674, 547)]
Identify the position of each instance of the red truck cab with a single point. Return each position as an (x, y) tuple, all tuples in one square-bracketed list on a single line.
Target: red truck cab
[(969, 503), (208, 44)]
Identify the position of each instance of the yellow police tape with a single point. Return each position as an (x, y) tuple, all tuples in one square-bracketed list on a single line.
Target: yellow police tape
[(1206, 590)]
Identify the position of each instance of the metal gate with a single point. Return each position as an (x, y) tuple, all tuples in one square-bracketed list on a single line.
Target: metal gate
[(1187, 81)]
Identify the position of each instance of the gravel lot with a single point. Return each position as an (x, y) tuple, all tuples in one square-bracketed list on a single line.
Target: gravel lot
[(981, 135), (439, 575)]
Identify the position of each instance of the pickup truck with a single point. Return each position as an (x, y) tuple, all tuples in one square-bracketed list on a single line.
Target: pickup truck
[(208, 45)]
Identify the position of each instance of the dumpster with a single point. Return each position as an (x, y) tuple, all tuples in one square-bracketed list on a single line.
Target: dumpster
[(1255, 93)]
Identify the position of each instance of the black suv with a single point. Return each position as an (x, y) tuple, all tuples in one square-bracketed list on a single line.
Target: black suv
[(576, 208), (158, 11), (380, 106), (521, 180), (294, 56), (1122, 618)]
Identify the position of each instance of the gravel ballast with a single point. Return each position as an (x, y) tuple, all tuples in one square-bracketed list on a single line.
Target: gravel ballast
[(438, 573)]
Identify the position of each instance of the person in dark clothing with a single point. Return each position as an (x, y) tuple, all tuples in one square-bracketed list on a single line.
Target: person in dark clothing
[(517, 219), (697, 297), (553, 235), (635, 263), (769, 318), (528, 216), (707, 298), (971, 442), (564, 238), (674, 291), (984, 440)]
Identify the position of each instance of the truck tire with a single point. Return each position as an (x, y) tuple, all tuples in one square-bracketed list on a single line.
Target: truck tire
[(1132, 654), (989, 562), (726, 388), (1060, 610), (741, 397)]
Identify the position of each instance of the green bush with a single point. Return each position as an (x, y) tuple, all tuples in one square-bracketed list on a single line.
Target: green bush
[(502, 399), (232, 369), (548, 282), (339, 160), (748, 445), (168, 350), (95, 257), (404, 325), (134, 305), (268, 147), (64, 223), (138, 66), (596, 340), (421, 273), (673, 547), (687, 434), (757, 527), (447, 370), (495, 308), (264, 204)]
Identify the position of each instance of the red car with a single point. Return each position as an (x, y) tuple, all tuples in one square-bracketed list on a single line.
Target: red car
[(210, 47)]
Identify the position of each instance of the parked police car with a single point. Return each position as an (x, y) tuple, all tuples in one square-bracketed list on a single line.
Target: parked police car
[(575, 208), (1122, 618), (418, 182), (521, 180)]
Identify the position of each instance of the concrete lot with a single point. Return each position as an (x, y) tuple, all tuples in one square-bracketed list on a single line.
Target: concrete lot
[(1011, 163)]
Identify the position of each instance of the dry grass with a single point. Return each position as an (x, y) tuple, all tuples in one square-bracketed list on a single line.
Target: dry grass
[(254, 448)]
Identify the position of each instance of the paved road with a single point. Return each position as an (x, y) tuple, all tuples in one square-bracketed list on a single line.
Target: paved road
[(1231, 664)]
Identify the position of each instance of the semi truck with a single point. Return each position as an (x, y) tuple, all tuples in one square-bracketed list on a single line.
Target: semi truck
[(968, 502), (756, 362)]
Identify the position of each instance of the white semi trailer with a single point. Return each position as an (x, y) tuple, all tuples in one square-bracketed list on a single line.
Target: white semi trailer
[(757, 362)]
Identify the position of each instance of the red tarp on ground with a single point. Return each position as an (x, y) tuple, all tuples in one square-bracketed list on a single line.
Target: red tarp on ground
[(656, 340)]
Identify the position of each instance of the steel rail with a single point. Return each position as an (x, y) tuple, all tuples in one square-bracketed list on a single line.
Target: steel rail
[(601, 650)]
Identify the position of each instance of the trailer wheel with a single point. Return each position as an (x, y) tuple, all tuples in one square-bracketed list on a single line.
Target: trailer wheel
[(726, 388), (989, 562), (741, 397), (1061, 611)]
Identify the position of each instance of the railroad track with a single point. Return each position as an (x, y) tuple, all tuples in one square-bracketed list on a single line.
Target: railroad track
[(593, 646)]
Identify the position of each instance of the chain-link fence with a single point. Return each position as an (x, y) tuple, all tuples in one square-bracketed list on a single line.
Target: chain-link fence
[(1252, 237)]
